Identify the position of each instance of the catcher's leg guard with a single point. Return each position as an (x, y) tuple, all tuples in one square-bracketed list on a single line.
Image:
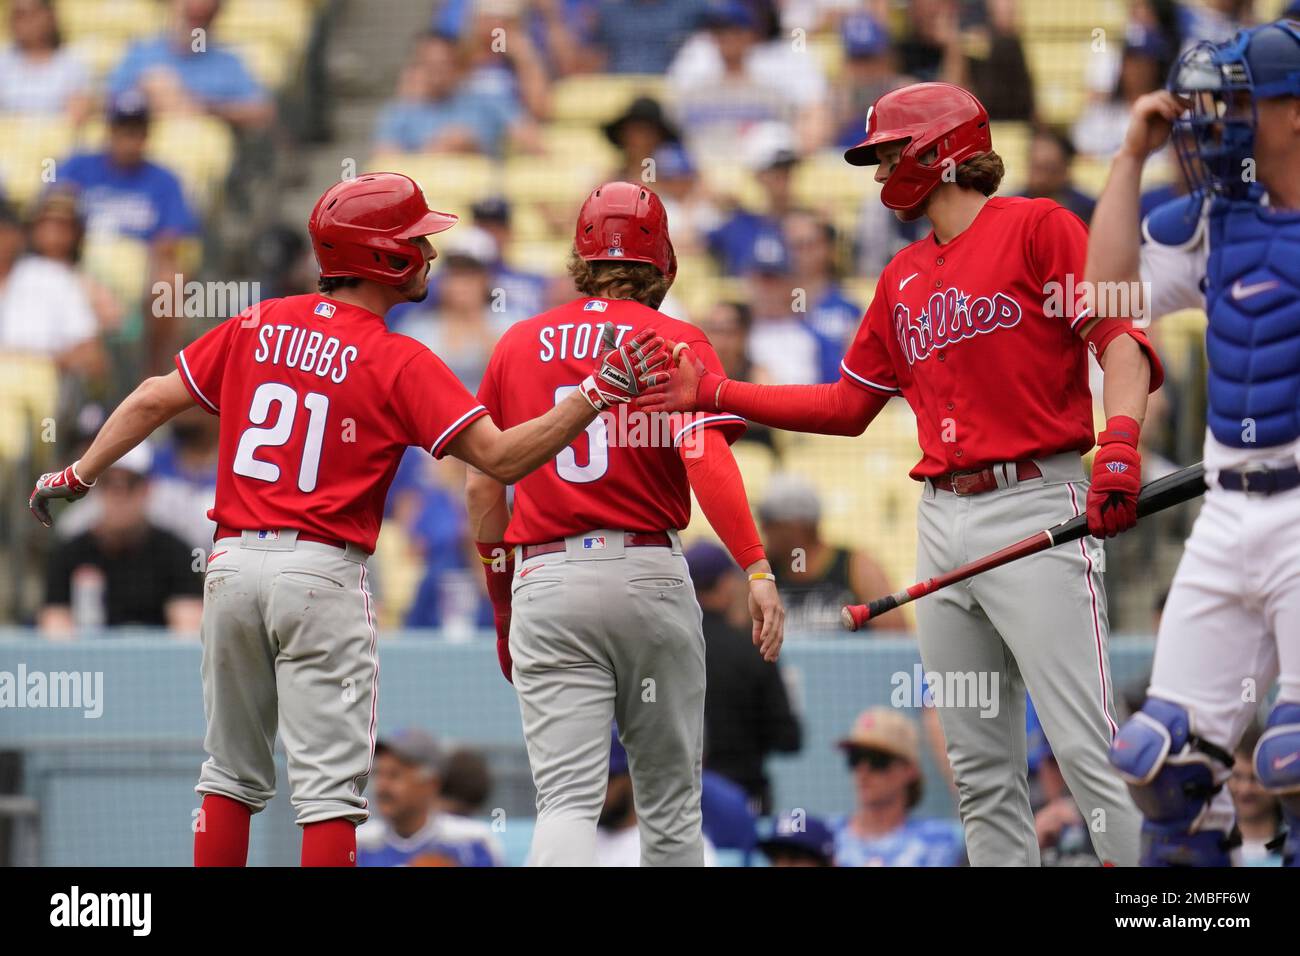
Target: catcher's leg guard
[(1277, 764), (1172, 775)]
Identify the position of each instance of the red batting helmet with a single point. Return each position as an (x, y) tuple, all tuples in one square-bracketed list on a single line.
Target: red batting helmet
[(624, 221), (360, 224), (929, 116)]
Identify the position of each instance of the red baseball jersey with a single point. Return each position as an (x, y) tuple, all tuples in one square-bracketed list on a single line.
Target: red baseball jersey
[(625, 471), (318, 401), (979, 335)]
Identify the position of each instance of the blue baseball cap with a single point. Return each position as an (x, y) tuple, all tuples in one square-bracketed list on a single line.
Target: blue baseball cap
[(769, 255), (799, 833), (707, 563), (730, 13), (129, 106), (863, 36), (673, 162)]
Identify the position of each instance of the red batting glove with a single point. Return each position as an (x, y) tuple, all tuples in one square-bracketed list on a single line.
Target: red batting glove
[(65, 484), (499, 566), (690, 386), (624, 372), (1116, 479)]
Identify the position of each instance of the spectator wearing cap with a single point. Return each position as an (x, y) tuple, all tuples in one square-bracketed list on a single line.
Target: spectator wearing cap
[(516, 293), (1259, 814), (409, 827), (832, 316), (638, 132), (39, 75), (870, 71), (180, 75), (782, 340), (124, 571), (747, 712), (1051, 154), (796, 839), (124, 195), (726, 79), (47, 308), (768, 151), (618, 839), (816, 579), (690, 208), (437, 111), (1143, 66), (884, 758)]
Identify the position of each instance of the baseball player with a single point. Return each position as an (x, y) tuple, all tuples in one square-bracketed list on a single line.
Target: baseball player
[(318, 401), (968, 324), (1231, 625), (596, 615)]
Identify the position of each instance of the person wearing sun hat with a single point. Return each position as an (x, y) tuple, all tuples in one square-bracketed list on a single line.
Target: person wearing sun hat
[(883, 754)]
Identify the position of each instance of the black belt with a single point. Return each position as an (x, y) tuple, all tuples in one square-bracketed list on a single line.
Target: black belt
[(1261, 481)]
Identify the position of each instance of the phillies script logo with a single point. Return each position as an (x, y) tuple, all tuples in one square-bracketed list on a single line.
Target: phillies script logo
[(949, 317)]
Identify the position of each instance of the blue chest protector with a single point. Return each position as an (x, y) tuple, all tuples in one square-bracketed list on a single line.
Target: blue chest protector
[(1252, 297)]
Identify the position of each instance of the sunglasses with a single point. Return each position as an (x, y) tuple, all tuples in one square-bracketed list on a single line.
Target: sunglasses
[(875, 759)]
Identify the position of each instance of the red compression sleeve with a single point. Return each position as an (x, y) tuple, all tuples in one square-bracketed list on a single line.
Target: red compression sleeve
[(715, 479), (834, 409)]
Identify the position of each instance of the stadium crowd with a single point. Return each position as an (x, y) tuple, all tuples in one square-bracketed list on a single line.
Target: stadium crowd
[(131, 134)]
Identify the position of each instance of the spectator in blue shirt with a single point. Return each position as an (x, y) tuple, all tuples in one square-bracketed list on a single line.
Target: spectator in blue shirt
[(884, 757), (184, 71), (769, 151), (831, 315), (870, 71), (642, 36), (436, 111), (410, 827)]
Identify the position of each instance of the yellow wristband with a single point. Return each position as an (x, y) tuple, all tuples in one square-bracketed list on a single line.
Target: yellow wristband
[(762, 576)]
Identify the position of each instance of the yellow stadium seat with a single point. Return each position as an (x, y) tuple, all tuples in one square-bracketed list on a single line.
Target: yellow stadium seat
[(268, 61), (29, 394), (119, 263), (287, 23), (565, 142), (828, 50), (597, 98), (1180, 339), (198, 149), (117, 19), (825, 181), (1011, 141), (726, 178), (447, 178), (33, 148), (1074, 17), (533, 179), (100, 53), (547, 257), (1059, 71)]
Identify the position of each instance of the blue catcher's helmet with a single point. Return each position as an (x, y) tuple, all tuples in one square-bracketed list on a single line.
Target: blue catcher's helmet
[(1223, 81)]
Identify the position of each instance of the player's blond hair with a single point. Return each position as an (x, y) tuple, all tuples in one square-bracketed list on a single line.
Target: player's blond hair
[(610, 279)]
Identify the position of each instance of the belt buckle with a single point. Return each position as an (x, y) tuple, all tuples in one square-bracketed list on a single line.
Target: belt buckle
[(957, 480), (1262, 471)]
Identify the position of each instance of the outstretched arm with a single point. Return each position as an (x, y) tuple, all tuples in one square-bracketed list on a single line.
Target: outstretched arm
[(838, 408), (715, 478), (154, 401)]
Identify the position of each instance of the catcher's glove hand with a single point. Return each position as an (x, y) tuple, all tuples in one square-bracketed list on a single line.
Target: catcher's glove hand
[(65, 484)]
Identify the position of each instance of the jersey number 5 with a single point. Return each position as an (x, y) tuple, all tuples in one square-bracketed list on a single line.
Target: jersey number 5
[(277, 433), (566, 462)]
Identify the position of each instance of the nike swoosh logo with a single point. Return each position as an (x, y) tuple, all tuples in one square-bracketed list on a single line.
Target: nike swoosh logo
[(1281, 763), (1240, 291), (527, 571), (907, 280)]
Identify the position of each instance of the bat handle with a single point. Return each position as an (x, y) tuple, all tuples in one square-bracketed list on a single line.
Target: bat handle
[(854, 616)]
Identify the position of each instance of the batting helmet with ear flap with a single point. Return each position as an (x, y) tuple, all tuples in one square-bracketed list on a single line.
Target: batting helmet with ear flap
[(925, 116), (625, 222), (364, 226)]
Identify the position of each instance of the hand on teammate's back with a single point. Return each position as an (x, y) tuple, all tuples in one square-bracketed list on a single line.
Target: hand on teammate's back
[(768, 612), (624, 372), (689, 385)]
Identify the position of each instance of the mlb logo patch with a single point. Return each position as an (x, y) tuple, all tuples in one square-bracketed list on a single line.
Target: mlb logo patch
[(326, 309), (268, 536), (594, 543), (596, 305), (615, 252), (1116, 467)]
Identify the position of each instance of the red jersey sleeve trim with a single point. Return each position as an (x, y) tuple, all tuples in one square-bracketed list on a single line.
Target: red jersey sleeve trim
[(709, 421), (455, 428), (868, 383), (190, 385)]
